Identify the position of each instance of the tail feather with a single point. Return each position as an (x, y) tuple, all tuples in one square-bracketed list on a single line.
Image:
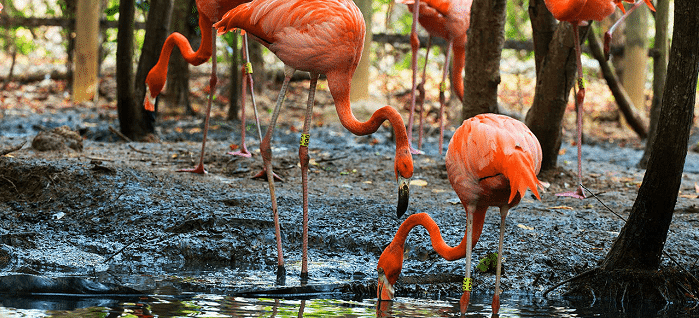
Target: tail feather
[(520, 170)]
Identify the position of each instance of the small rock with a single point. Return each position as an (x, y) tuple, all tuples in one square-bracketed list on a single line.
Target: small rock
[(59, 138)]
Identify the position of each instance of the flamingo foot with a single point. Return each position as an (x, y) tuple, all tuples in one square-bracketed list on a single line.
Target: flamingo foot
[(463, 303), (263, 175), (579, 193), (496, 304), (199, 169), (243, 152), (414, 151)]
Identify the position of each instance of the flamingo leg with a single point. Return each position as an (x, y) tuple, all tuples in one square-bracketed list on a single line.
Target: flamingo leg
[(303, 158), (442, 97), (498, 270), (243, 150), (212, 87), (266, 152), (415, 45), (608, 34), (579, 99), (468, 283), (421, 88)]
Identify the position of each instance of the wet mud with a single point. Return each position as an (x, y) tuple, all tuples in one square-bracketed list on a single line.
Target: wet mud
[(117, 212)]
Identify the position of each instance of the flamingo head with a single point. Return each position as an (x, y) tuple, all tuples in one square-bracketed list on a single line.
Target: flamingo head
[(155, 81), (403, 167), (389, 268), (0, 7)]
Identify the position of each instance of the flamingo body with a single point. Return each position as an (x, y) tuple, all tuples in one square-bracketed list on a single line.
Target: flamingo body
[(491, 161)]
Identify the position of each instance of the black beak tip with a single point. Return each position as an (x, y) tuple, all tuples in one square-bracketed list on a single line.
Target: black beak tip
[(403, 200)]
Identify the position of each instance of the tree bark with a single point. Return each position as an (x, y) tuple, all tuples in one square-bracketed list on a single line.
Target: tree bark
[(235, 76), (360, 79), (554, 81), (543, 28), (636, 57), (257, 60), (662, 15), (486, 38), (178, 69), (641, 240), (622, 98), (86, 52), (129, 113)]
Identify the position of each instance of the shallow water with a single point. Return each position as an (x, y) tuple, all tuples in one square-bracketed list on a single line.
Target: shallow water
[(212, 305)]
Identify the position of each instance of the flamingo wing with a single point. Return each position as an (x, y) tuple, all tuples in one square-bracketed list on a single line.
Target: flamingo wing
[(306, 35)]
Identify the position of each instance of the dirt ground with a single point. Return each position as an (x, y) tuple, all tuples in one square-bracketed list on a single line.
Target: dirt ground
[(117, 211)]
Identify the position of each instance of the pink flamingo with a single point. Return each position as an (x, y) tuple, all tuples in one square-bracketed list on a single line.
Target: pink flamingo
[(210, 11), (577, 13), (320, 37), (448, 19), (491, 161)]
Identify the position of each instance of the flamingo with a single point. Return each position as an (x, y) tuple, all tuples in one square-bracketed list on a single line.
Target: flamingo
[(210, 11), (491, 161), (577, 13), (320, 37), (448, 19)]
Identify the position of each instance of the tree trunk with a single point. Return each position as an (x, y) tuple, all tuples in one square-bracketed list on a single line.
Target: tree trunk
[(86, 51), (636, 57), (178, 69), (486, 38), (130, 115), (641, 240), (622, 98), (662, 14), (554, 80), (360, 79), (257, 60), (543, 28)]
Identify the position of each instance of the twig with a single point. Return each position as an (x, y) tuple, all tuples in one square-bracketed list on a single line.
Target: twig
[(581, 275), (13, 149), (118, 133), (141, 151)]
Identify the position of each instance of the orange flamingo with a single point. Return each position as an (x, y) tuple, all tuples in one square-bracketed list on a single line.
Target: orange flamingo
[(210, 11), (320, 37), (448, 19), (577, 13), (491, 161)]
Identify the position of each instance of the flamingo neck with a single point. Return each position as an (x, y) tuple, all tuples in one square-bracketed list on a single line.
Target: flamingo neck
[(457, 68), (339, 85), (158, 74), (438, 244)]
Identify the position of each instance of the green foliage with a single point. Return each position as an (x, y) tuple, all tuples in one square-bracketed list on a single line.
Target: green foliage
[(111, 11), (24, 44), (517, 26)]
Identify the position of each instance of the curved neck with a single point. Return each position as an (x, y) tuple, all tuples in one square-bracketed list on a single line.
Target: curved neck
[(457, 68), (438, 244)]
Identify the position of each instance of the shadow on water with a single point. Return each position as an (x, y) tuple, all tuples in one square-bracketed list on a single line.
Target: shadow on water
[(213, 305)]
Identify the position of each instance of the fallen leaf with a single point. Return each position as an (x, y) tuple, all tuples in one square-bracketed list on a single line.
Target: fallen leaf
[(233, 146), (438, 190), (696, 188), (562, 151), (454, 201), (419, 183), (561, 207), (522, 226)]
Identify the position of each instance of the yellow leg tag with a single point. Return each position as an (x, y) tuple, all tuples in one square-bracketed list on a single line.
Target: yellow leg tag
[(443, 87), (468, 283), (305, 138), (248, 68), (581, 83)]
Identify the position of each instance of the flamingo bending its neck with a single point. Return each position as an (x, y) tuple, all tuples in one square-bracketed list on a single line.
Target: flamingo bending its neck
[(320, 37), (491, 161), (210, 11)]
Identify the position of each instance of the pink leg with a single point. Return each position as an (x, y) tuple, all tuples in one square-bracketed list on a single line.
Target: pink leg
[(303, 158), (468, 283), (212, 87), (415, 45), (608, 34), (498, 270), (266, 152), (242, 150), (579, 99)]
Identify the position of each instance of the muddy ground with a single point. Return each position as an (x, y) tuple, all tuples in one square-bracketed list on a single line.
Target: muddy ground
[(117, 211)]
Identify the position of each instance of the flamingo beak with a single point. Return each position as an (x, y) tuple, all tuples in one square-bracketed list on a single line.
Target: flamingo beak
[(384, 289), (149, 101), (403, 195)]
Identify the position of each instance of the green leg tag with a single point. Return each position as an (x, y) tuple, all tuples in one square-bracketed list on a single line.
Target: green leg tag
[(305, 138), (468, 283), (248, 68), (443, 87)]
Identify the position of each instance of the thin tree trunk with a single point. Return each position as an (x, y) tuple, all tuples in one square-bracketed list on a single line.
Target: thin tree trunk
[(486, 38), (156, 33), (129, 113), (360, 79), (543, 29), (259, 74), (641, 240), (622, 98), (178, 69), (662, 15), (636, 57), (554, 81)]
